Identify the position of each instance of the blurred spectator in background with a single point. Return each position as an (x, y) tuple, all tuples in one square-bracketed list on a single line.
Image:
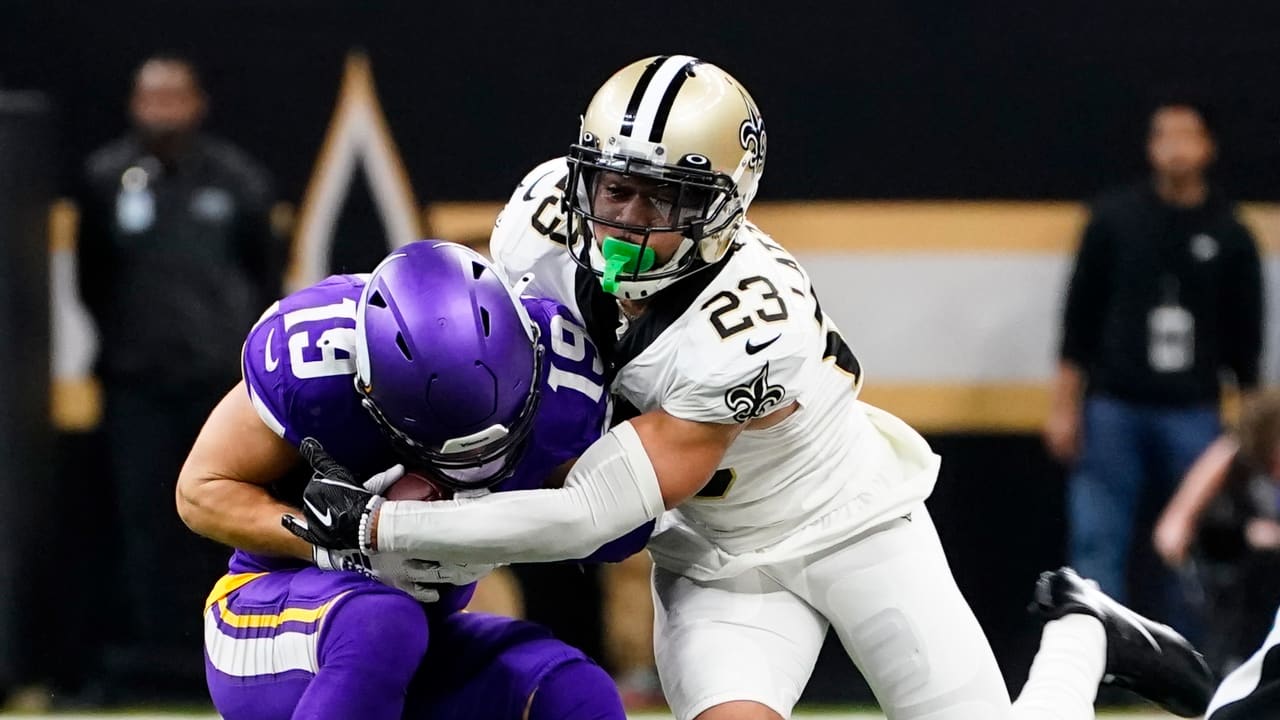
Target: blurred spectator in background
[(1223, 519), (1165, 295), (176, 260), (628, 631)]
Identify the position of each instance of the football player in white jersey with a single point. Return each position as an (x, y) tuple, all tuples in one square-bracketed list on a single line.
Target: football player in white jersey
[(792, 506)]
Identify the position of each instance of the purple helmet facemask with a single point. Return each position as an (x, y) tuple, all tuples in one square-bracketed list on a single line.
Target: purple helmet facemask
[(448, 363)]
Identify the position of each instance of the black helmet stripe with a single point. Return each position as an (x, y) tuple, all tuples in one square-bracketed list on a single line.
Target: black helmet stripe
[(653, 96), (633, 105), (669, 99)]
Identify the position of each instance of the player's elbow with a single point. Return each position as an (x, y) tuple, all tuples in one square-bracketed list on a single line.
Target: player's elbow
[(187, 509), (187, 497)]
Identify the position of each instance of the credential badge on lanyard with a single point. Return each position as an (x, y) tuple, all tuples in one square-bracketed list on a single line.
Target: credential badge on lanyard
[(135, 204), (1171, 342)]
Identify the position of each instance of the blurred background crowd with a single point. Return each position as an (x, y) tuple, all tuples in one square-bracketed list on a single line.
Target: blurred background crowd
[(1049, 234)]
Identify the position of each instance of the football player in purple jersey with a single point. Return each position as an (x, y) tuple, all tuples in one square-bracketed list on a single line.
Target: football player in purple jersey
[(432, 362)]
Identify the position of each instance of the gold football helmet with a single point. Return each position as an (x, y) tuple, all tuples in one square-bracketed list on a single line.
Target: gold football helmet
[(680, 122)]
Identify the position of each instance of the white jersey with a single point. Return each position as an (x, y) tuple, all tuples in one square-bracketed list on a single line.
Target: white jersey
[(729, 344)]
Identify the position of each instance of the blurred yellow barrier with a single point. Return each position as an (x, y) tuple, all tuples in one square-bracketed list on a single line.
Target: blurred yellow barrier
[(927, 227)]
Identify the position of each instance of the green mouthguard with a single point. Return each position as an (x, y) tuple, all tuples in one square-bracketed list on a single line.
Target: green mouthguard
[(621, 256)]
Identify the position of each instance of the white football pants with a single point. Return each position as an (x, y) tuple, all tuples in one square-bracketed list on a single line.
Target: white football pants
[(894, 605)]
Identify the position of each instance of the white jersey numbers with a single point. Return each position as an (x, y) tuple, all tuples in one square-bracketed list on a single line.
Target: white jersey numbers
[(332, 352), (569, 342), (328, 344)]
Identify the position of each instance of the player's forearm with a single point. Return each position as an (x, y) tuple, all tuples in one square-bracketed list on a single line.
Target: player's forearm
[(520, 526), (621, 548), (1068, 387), (1203, 481), (238, 514), (611, 490)]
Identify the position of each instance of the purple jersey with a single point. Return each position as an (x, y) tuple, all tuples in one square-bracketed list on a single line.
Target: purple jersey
[(299, 366)]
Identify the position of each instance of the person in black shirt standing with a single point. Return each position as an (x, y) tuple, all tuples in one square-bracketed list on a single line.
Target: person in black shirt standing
[(176, 260), (1166, 294)]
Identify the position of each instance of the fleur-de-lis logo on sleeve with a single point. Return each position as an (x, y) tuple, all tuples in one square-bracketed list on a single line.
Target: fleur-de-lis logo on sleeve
[(755, 397)]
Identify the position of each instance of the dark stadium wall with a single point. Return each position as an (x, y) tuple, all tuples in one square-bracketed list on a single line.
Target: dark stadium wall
[(869, 100), (26, 433), (894, 101)]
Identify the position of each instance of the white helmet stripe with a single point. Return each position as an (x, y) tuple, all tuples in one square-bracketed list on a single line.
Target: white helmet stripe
[(651, 101)]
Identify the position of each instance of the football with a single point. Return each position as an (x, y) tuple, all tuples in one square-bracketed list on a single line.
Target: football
[(416, 486)]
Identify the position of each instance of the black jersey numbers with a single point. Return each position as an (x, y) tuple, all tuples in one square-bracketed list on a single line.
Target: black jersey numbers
[(778, 311), (727, 317), (726, 303), (838, 351), (836, 348), (548, 218)]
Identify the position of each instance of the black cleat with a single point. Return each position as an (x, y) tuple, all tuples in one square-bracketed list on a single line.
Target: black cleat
[(1143, 656)]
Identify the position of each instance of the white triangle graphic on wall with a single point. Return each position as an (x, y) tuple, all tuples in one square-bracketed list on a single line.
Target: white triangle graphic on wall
[(358, 133)]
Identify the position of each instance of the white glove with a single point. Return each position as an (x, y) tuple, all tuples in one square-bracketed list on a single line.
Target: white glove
[(450, 573), (459, 573), (390, 569), (348, 560), (403, 573)]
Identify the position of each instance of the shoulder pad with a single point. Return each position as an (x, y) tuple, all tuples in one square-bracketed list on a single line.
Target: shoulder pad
[(749, 338), (532, 222), (301, 354)]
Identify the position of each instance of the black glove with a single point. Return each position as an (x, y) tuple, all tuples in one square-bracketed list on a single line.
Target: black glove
[(336, 506)]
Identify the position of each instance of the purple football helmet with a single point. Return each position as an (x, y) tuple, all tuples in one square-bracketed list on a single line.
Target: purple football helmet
[(448, 363)]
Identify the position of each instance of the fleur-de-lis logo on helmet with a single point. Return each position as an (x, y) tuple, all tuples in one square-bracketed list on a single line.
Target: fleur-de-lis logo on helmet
[(752, 136), (755, 397)]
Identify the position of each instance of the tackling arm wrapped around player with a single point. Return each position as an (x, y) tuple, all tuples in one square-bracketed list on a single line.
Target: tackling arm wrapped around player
[(615, 486)]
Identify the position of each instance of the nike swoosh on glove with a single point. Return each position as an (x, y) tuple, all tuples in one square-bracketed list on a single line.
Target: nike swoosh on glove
[(337, 508)]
